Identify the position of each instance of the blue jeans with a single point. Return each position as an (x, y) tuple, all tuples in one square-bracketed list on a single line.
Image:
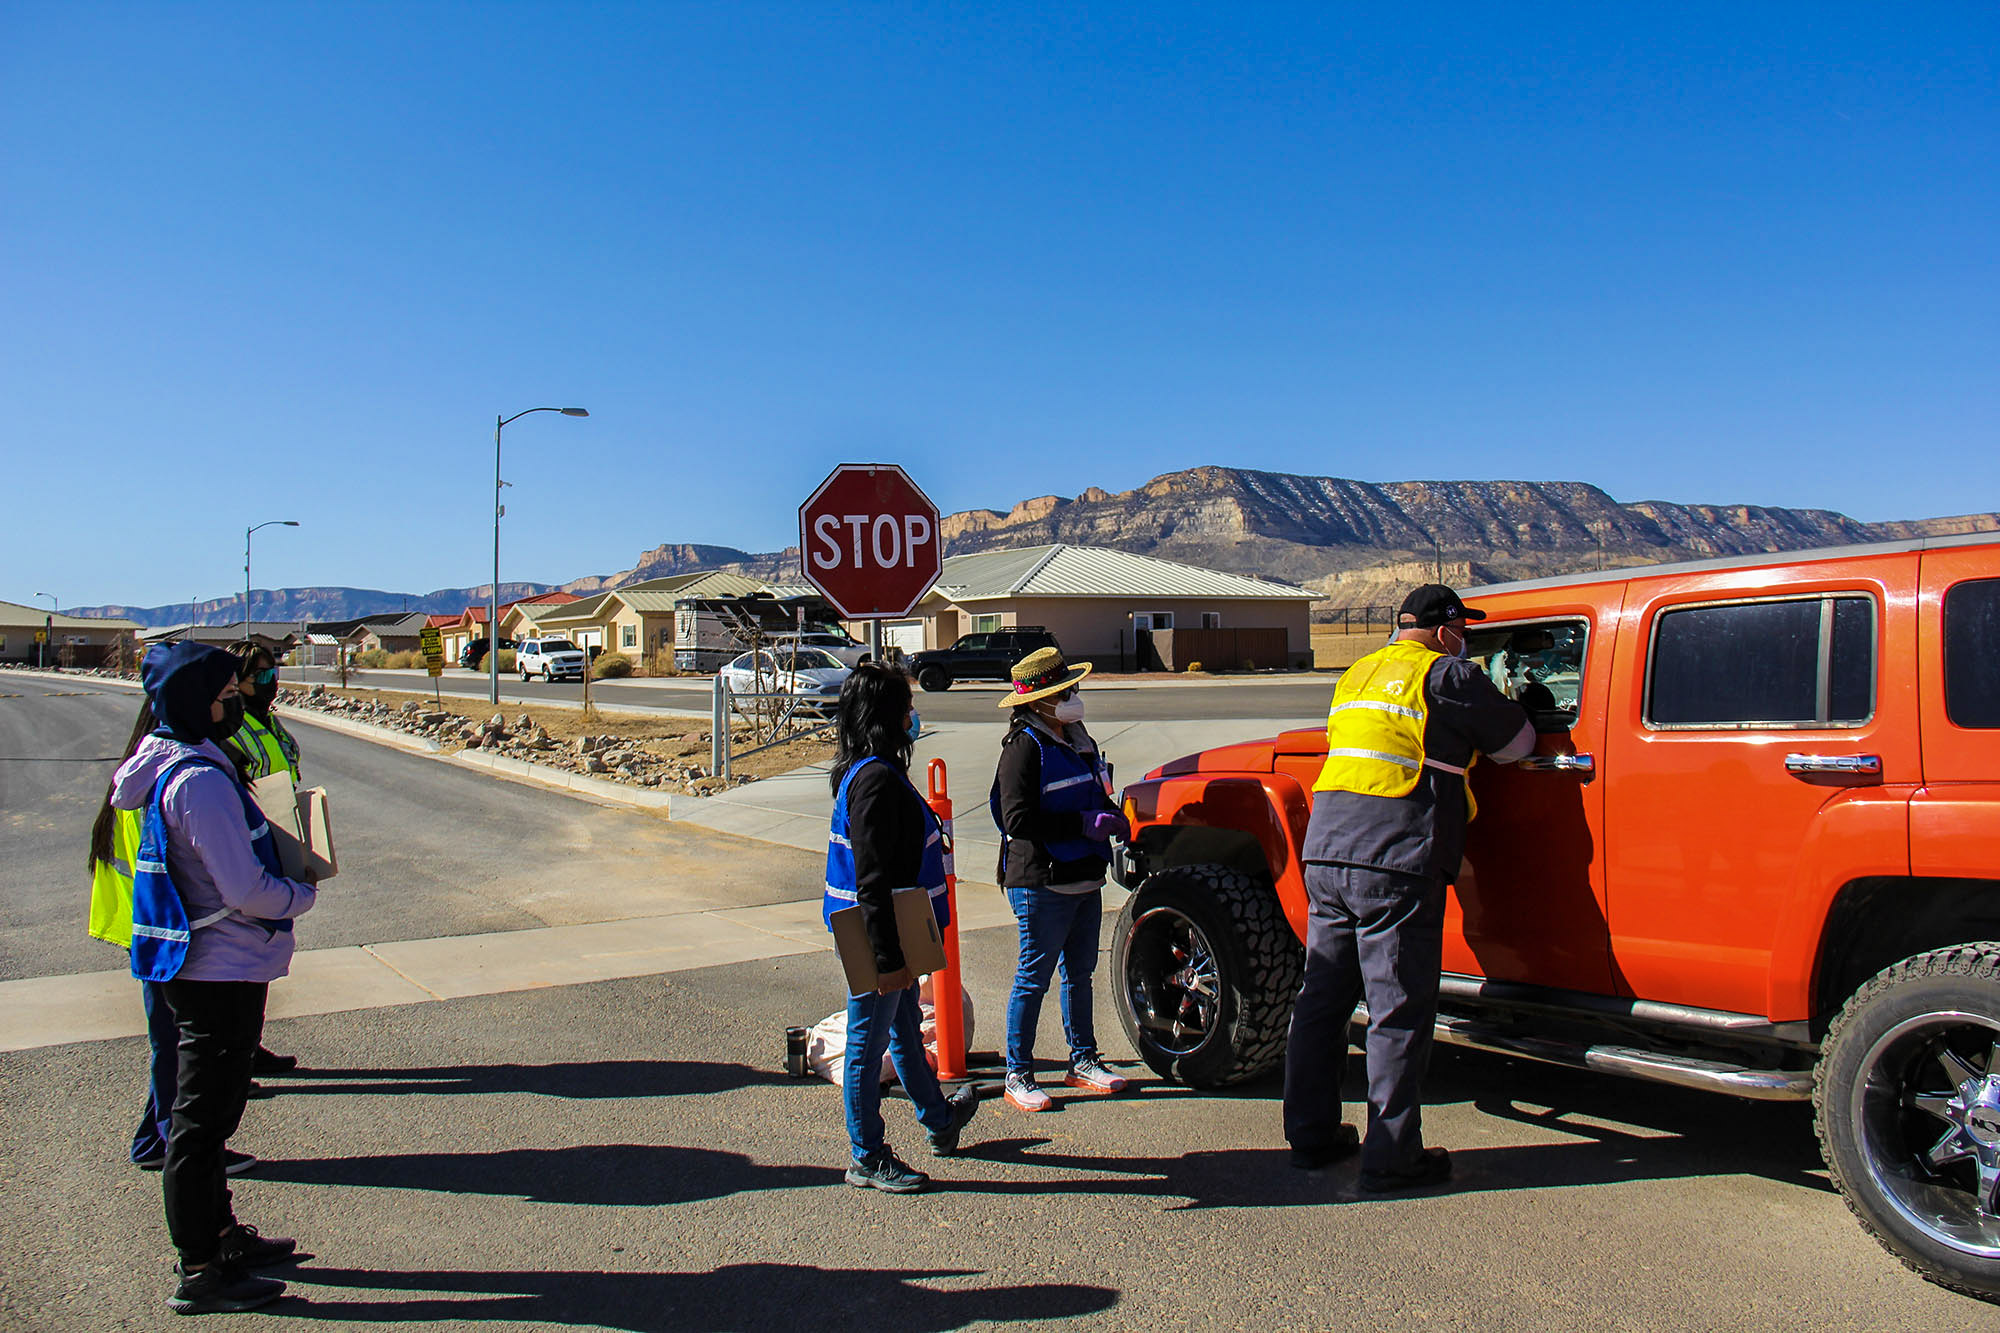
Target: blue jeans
[(1057, 929), (894, 1023), (150, 1139)]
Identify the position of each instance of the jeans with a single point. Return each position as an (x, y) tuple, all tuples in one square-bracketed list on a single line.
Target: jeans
[(150, 1138), (219, 1023), (1376, 934), (1057, 929), (894, 1023)]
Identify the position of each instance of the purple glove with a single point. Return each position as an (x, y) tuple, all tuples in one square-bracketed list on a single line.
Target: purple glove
[(1104, 825)]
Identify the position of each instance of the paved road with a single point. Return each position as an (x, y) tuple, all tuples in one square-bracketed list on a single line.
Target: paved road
[(1304, 699), (626, 1155)]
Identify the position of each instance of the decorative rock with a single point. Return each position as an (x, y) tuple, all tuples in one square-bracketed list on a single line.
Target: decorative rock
[(524, 723), (592, 764), (497, 725)]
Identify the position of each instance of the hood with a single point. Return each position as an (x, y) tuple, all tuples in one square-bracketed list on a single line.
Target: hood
[(182, 680), (133, 782)]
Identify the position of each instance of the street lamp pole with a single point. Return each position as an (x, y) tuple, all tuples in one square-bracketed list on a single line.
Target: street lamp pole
[(493, 593), (48, 628), (274, 523)]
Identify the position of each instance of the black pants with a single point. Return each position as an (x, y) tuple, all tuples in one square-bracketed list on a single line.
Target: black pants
[(1376, 934), (219, 1023)]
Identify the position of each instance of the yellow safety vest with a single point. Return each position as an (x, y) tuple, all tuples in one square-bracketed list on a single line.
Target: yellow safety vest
[(1375, 728), (111, 881), (265, 749)]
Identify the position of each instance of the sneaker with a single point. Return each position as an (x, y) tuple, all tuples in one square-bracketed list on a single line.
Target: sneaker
[(1432, 1167), (1346, 1142), (885, 1171), (222, 1288), (234, 1163), (944, 1142), (1023, 1095), (242, 1246), (1091, 1075), (269, 1062)]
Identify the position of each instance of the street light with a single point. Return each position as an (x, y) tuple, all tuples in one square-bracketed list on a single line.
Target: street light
[(48, 627), (493, 599), (274, 523)]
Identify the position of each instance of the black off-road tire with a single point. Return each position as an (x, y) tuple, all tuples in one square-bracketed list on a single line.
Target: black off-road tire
[(934, 679), (1257, 963), (1877, 1057)]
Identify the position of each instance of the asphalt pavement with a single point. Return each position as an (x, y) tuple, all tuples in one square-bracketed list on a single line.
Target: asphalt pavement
[(627, 1154)]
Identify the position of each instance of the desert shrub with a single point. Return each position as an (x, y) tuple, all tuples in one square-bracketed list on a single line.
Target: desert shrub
[(1194, 668), (404, 661), (610, 666), (506, 660), (661, 663), (374, 657)]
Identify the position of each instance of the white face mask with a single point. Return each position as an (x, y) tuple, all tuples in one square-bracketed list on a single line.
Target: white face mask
[(1459, 652), (1070, 710)]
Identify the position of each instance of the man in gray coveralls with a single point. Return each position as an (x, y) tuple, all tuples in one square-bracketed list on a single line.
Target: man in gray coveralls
[(1387, 831)]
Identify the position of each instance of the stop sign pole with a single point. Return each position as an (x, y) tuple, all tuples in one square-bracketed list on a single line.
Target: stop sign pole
[(868, 541)]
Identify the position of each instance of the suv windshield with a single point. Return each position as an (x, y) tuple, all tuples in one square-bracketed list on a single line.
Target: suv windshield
[(558, 646)]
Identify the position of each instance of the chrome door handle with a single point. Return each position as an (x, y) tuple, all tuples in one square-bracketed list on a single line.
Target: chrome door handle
[(1850, 765), (1559, 763)]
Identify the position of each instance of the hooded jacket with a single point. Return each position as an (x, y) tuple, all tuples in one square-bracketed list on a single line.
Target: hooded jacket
[(209, 852)]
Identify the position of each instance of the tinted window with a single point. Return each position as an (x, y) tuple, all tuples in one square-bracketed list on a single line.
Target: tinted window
[(975, 643), (558, 646), (1761, 663), (1540, 667), (741, 664), (1972, 654)]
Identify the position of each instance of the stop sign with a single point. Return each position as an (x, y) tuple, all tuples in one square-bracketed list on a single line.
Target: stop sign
[(868, 540)]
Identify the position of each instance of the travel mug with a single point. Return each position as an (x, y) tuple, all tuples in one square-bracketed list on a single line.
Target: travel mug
[(795, 1051)]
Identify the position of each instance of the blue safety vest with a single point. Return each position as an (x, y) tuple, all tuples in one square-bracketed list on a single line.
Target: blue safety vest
[(161, 930), (1069, 783), (842, 885)]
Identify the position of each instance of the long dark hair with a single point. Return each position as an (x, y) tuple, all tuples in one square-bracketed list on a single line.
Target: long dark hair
[(101, 827), (874, 706)]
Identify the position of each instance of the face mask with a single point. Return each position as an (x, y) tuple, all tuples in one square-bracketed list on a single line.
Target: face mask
[(1070, 710), (915, 729), (232, 719), (1459, 652)]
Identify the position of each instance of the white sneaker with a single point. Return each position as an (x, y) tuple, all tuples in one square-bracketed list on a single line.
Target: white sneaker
[(1023, 1095)]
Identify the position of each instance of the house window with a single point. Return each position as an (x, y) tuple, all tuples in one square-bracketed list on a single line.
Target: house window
[(1152, 620), (628, 636), (985, 624), (1211, 620)]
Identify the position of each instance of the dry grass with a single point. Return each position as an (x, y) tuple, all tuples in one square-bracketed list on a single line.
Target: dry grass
[(676, 738)]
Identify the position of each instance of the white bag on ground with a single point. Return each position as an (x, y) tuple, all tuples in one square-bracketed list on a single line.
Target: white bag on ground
[(826, 1046)]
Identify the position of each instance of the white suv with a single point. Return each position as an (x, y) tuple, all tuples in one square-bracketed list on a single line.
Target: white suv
[(552, 659)]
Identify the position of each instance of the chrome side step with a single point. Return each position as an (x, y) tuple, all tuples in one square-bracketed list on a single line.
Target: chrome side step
[(1770, 1085)]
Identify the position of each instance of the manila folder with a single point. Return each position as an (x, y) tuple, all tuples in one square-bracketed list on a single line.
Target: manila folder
[(298, 824), (916, 929)]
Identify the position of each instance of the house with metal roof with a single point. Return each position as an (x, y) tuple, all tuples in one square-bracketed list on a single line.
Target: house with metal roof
[(83, 641), (1121, 611)]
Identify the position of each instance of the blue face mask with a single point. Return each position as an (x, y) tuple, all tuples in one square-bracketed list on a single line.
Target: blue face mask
[(916, 726)]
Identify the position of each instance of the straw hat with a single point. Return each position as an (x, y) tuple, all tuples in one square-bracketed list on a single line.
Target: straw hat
[(1040, 674)]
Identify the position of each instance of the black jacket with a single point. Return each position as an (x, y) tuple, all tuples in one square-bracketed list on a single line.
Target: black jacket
[(885, 823), (1024, 858)]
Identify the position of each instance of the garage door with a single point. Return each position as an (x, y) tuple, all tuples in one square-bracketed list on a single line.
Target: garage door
[(905, 634)]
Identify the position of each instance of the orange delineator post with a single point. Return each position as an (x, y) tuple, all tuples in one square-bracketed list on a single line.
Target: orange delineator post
[(947, 994)]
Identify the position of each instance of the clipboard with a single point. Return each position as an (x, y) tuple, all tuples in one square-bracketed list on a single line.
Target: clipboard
[(916, 929), (301, 829)]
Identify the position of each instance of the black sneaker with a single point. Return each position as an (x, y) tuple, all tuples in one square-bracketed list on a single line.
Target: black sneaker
[(885, 1171), (1346, 1142), (944, 1142), (242, 1246), (234, 1163), (222, 1289), (1432, 1167), (269, 1062)]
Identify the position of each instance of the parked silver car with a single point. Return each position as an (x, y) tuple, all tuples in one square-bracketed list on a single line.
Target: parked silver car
[(811, 676)]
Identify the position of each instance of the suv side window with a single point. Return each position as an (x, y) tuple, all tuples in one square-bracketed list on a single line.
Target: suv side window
[(1805, 662), (1971, 640), (1539, 667), (972, 643)]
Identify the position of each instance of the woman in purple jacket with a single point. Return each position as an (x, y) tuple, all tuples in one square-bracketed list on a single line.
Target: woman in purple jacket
[(241, 941)]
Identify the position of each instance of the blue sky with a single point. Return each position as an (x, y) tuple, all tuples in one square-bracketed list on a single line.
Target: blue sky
[(289, 261)]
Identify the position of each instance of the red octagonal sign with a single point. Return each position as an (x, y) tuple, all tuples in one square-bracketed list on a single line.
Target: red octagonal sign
[(868, 540)]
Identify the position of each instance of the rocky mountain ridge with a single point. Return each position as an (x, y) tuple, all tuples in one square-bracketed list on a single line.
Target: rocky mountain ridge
[(1349, 540)]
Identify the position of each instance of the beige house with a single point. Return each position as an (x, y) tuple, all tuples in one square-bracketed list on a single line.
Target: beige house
[(67, 640), (1120, 611), (638, 620)]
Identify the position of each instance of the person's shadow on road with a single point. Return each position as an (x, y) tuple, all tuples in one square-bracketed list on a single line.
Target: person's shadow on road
[(739, 1296), (583, 1080), (619, 1174)]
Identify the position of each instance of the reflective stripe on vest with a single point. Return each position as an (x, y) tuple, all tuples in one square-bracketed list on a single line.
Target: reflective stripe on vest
[(1070, 784), (843, 882), (1375, 726)]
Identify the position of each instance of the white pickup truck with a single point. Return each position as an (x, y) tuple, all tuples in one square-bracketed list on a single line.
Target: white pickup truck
[(551, 659)]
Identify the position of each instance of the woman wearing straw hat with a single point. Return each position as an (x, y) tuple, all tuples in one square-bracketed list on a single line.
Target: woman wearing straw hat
[(1051, 800)]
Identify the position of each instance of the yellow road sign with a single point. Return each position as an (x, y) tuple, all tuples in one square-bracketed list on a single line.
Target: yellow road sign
[(41, 636)]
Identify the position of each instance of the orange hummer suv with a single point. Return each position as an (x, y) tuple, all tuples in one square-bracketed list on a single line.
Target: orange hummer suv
[(1757, 851)]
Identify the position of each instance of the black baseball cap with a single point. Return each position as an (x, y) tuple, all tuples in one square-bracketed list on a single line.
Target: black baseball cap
[(1433, 605)]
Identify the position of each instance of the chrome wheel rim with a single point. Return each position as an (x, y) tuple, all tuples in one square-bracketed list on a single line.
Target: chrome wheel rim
[(1927, 1112), (1173, 980)]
